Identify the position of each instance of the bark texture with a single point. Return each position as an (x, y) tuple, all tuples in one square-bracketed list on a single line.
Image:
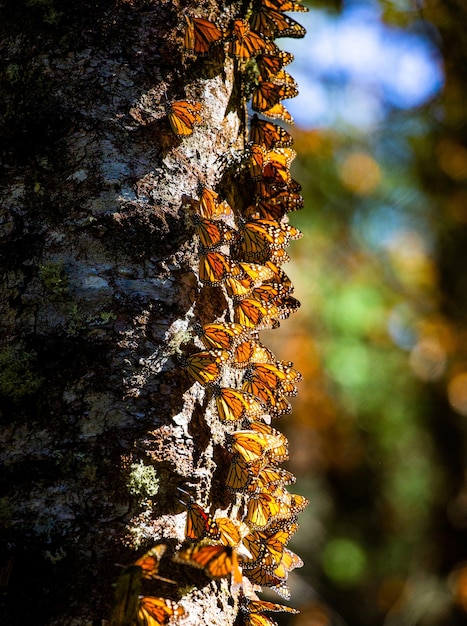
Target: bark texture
[(99, 423)]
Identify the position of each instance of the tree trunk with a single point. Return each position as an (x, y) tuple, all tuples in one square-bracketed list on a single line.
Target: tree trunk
[(100, 423)]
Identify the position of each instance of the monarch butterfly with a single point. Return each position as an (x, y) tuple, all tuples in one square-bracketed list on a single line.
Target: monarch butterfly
[(249, 351), (276, 404), (239, 287), (273, 293), (278, 111), (257, 606), (149, 562), (259, 237), (284, 5), (245, 43), (277, 165), (222, 335), (200, 34), (205, 367), (127, 593), (157, 611), (215, 267), (231, 531), (234, 405), (288, 562), (199, 524), (267, 95), (273, 24), (288, 389), (249, 445), (268, 134), (276, 206), (258, 619), (267, 547), (258, 273), (240, 474), (252, 313), (272, 543), (275, 174), (283, 78), (270, 476), (279, 256), (256, 161), (183, 115), (292, 504), (279, 452), (259, 576), (270, 64), (214, 233), (272, 374), (209, 206), (262, 509), (217, 560)]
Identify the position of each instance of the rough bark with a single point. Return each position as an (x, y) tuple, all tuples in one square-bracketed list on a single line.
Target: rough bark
[(99, 423)]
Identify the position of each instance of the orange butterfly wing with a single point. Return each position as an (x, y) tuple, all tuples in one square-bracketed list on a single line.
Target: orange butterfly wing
[(268, 134), (200, 34), (222, 335), (205, 367), (157, 611), (245, 43), (274, 24), (183, 116), (234, 404)]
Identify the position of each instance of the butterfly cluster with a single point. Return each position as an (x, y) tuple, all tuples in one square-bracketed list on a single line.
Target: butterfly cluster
[(250, 40), (241, 248)]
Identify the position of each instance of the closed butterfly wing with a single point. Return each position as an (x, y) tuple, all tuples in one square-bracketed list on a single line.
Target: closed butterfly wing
[(256, 161), (288, 562), (221, 335), (258, 606), (278, 453), (209, 206), (157, 611), (200, 34), (199, 524), (183, 116), (231, 531), (234, 405), (262, 509), (252, 313), (257, 619), (240, 474), (250, 445), (217, 560), (149, 562), (267, 134), (278, 112), (270, 476), (206, 367), (214, 233), (285, 5), (274, 24), (259, 576), (251, 351), (215, 268), (267, 95), (245, 43), (269, 65)]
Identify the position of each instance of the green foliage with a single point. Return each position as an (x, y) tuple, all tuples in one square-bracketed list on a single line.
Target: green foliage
[(54, 279), (18, 377)]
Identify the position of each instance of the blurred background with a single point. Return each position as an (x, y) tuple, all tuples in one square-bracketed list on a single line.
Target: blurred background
[(379, 428)]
